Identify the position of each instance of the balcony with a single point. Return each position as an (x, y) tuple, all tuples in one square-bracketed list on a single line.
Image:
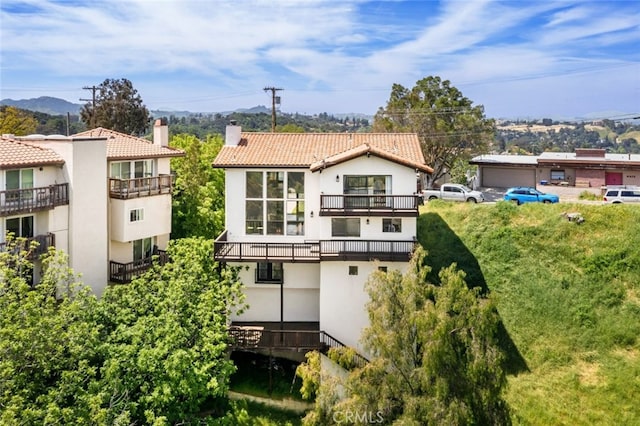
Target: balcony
[(123, 273), (312, 252), (370, 205), (44, 242), (29, 200), (284, 336), (124, 189)]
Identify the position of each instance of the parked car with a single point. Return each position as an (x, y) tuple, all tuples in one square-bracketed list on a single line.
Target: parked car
[(621, 194), (525, 194), (453, 192)]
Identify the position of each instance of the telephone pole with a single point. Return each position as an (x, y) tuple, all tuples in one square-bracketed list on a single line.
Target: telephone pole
[(93, 89), (274, 98)]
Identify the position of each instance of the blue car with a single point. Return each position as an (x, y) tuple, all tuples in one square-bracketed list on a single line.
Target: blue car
[(525, 194)]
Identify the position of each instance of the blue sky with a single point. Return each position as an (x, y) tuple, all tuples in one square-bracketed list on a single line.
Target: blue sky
[(533, 59)]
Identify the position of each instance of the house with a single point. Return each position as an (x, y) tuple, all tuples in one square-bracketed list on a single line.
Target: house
[(102, 197), (310, 216), (586, 167)]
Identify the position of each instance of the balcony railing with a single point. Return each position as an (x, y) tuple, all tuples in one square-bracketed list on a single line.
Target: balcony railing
[(369, 205), (323, 250), (123, 273), (44, 242), (124, 189), (306, 340), (28, 200)]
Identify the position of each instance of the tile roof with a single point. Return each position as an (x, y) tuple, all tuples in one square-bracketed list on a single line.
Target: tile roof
[(310, 149), (123, 147), (16, 154)]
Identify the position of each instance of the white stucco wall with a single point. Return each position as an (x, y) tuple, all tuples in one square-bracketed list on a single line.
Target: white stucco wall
[(156, 217), (301, 294), (343, 299)]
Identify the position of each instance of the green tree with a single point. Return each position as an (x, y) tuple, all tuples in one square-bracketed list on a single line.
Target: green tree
[(118, 107), (198, 196), (50, 345), (447, 123), (434, 353), (16, 121), (165, 337)]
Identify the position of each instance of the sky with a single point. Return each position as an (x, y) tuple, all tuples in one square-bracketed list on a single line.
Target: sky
[(524, 59)]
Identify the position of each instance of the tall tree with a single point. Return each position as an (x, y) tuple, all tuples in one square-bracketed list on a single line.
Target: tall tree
[(435, 358), (165, 337), (16, 121), (118, 107), (447, 123), (50, 345), (198, 196)]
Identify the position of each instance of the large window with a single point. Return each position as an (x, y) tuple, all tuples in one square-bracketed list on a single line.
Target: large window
[(392, 225), (270, 273), (274, 203), (376, 184), (132, 169), (345, 227), (20, 226), (142, 249), (557, 175)]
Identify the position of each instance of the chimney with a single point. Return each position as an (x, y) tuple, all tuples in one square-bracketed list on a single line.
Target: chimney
[(161, 132), (232, 134)]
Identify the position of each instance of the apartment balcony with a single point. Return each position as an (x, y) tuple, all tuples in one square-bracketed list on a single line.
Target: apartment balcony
[(44, 242), (29, 200), (125, 189), (370, 205), (312, 252), (123, 273)]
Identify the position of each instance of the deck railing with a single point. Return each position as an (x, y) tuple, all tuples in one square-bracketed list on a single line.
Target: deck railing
[(370, 205), (28, 200), (244, 337), (323, 250), (140, 187), (123, 273)]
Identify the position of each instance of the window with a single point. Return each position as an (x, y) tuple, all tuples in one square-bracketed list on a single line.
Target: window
[(382, 269), (16, 180), (132, 169), (353, 270), (376, 184), (20, 226), (391, 225), (271, 207), (345, 227), (142, 249), (267, 272), (136, 215), (557, 174)]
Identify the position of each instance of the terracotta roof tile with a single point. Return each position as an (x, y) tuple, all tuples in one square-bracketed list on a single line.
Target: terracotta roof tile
[(122, 147), (16, 154), (307, 149)]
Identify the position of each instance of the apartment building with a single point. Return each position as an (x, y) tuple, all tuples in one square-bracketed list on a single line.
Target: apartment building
[(102, 197), (310, 216)]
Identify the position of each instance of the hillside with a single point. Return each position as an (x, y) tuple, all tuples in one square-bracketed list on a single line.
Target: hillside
[(45, 104), (568, 296)]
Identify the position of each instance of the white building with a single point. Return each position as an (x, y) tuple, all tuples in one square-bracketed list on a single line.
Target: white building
[(310, 216), (102, 197)]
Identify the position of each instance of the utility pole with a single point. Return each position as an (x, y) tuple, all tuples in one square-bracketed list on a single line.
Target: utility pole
[(274, 98), (93, 89)]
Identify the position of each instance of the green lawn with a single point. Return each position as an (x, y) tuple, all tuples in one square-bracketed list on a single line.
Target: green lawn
[(568, 295)]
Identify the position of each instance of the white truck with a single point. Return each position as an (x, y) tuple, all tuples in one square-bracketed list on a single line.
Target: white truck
[(453, 192)]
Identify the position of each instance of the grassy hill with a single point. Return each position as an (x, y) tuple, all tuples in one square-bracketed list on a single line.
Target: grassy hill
[(568, 296)]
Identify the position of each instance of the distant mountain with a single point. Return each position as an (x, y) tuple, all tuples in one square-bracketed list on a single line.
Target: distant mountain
[(45, 104)]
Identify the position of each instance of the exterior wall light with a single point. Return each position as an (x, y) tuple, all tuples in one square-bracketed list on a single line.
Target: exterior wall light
[(337, 178), (311, 213)]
